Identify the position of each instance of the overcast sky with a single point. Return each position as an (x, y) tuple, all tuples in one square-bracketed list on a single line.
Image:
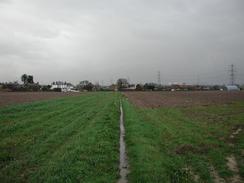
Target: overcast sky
[(101, 40)]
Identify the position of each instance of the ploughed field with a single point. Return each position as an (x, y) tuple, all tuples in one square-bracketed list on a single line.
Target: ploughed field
[(181, 98), (192, 137), (7, 98), (175, 137)]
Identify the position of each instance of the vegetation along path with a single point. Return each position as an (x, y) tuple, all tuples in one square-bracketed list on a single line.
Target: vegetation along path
[(123, 166)]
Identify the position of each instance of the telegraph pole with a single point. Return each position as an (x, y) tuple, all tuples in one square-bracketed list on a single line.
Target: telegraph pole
[(232, 74), (159, 78)]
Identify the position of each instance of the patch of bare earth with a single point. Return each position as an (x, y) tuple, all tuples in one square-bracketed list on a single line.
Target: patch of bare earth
[(215, 176), (189, 148), (232, 165), (7, 98), (181, 99), (235, 131), (194, 176)]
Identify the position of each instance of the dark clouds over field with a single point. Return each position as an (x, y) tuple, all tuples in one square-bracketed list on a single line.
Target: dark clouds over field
[(101, 40)]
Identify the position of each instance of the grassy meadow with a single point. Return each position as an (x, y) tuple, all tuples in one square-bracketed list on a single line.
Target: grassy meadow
[(184, 144), (73, 139)]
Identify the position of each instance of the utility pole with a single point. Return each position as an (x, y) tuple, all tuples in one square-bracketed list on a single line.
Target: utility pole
[(232, 74), (159, 78)]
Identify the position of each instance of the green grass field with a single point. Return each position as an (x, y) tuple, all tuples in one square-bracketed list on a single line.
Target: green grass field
[(74, 139), (183, 144)]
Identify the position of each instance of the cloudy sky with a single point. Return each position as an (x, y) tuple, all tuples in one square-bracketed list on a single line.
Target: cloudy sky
[(101, 40)]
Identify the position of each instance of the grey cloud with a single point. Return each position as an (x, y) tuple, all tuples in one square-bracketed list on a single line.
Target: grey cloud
[(103, 40)]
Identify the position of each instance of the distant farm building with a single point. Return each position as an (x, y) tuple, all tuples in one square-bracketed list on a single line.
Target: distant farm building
[(62, 86), (232, 88)]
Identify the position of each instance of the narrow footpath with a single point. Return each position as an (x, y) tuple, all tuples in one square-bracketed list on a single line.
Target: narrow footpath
[(123, 165)]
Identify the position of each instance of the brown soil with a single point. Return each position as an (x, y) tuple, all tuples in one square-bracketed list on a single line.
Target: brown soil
[(216, 177), (195, 177), (231, 140), (236, 132), (189, 148), (232, 165), (7, 98), (175, 99)]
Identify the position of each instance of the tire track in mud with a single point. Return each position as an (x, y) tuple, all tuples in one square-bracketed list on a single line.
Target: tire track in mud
[(123, 165)]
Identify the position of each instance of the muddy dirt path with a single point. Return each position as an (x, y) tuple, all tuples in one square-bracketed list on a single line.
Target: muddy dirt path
[(123, 166)]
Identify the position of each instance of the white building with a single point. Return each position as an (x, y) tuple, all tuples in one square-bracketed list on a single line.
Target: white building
[(232, 88), (64, 86)]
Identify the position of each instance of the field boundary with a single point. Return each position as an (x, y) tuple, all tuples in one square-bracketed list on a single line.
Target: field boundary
[(123, 165)]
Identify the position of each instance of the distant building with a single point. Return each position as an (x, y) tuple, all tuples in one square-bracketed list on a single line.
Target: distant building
[(131, 87), (232, 88), (64, 86)]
